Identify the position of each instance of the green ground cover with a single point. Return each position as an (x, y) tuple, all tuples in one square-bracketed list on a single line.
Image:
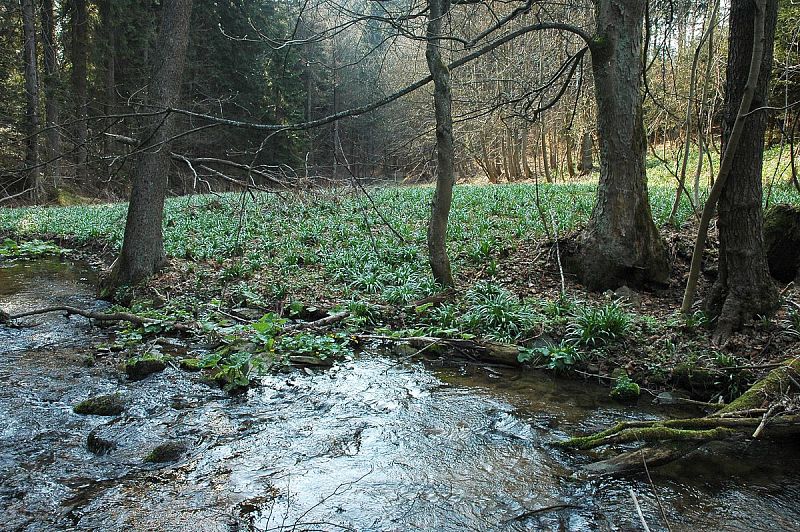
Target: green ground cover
[(335, 250)]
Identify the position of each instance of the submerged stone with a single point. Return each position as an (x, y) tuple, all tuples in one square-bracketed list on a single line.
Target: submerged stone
[(102, 405), (167, 452), (98, 444)]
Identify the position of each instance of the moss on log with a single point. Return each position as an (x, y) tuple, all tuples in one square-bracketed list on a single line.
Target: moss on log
[(775, 383)]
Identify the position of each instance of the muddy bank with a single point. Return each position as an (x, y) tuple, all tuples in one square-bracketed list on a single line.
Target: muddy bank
[(369, 444)]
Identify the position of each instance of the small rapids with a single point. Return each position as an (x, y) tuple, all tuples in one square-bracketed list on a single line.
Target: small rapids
[(370, 444)]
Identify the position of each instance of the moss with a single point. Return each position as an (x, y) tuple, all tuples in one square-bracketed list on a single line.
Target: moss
[(648, 434), (166, 452), (102, 405), (774, 383), (191, 364)]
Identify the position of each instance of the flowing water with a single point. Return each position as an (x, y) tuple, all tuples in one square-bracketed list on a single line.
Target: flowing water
[(371, 444)]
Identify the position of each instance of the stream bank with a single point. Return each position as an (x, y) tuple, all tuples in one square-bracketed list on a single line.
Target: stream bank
[(369, 444)]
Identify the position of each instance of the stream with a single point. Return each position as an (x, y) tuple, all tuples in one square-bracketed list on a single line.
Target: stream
[(370, 444)]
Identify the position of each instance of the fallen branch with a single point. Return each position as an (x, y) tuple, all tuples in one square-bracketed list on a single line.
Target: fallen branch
[(99, 316), (316, 324), (482, 351)]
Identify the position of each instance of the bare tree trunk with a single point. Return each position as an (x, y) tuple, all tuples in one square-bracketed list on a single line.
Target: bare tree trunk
[(701, 130), (488, 164), (587, 161), (548, 177), (31, 100), (568, 158), (445, 151), (621, 244), (143, 247), (744, 287), (526, 167), (109, 48), (52, 109), (80, 36)]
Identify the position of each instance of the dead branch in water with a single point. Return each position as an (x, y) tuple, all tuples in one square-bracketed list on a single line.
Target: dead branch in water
[(99, 316)]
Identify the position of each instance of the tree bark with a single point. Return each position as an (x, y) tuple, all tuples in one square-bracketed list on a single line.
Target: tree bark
[(80, 36), (744, 288), (31, 101), (621, 244), (52, 108), (143, 246), (445, 151)]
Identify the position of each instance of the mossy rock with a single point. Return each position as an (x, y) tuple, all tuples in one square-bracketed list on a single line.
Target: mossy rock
[(102, 405), (138, 369), (782, 241), (191, 364), (167, 452)]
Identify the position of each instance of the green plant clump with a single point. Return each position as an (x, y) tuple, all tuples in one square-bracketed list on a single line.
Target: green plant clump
[(597, 326), (625, 390), (558, 357)]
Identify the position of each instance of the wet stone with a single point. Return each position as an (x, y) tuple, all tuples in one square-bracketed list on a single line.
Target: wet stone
[(99, 445), (102, 405), (139, 369), (167, 452)]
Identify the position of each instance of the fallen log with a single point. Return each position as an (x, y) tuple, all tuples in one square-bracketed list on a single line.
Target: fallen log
[(99, 316), (475, 350)]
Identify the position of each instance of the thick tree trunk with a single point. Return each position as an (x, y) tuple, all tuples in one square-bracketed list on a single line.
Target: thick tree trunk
[(744, 288), (52, 109), (143, 247), (445, 152), (31, 100), (80, 36), (621, 244)]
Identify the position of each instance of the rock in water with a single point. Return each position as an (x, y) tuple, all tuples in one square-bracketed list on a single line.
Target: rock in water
[(102, 405), (167, 452), (141, 368), (782, 241)]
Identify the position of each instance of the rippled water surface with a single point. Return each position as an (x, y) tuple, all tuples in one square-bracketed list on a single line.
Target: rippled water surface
[(371, 444)]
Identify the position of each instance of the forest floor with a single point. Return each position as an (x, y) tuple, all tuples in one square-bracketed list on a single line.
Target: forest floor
[(245, 269)]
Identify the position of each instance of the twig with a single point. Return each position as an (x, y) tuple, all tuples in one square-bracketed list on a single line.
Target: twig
[(638, 510), (653, 487), (764, 420)]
